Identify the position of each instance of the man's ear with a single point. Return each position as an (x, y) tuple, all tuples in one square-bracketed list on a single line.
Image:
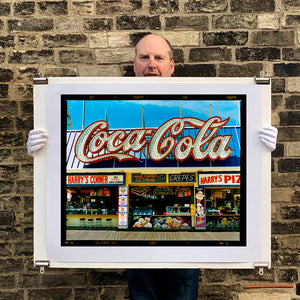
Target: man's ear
[(133, 64), (172, 66)]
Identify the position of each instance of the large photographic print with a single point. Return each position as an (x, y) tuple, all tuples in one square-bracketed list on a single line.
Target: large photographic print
[(153, 170)]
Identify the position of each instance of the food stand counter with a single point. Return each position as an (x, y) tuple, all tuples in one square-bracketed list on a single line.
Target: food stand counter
[(173, 218), (92, 221)]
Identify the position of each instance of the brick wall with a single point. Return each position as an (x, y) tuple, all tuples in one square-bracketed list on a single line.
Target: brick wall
[(96, 38)]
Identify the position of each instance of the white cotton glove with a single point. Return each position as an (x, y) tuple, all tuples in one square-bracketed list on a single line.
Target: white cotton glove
[(268, 136), (36, 141)]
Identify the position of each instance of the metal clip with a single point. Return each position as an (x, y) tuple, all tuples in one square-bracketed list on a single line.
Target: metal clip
[(42, 264), (40, 80), (262, 79), (261, 266), (262, 74), (261, 271)]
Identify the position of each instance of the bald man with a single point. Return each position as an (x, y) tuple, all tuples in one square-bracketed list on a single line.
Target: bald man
[(154, 58)]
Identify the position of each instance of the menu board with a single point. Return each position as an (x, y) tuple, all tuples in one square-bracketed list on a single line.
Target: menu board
[(151, 178), (123, 207)]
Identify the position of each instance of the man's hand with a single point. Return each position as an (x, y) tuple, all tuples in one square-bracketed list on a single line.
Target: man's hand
[(36, 141), (268, 136)]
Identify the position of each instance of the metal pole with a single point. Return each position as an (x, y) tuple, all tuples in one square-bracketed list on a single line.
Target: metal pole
[(83, 114)]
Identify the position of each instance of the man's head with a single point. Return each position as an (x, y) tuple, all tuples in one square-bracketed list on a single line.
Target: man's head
[(153, 57)]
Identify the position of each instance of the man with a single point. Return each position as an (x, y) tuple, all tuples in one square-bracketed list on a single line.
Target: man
[(154, 58)]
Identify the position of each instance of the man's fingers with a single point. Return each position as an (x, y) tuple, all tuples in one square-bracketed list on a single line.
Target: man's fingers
[(37, 134), (269, 131), (37, 142), (269, 143)]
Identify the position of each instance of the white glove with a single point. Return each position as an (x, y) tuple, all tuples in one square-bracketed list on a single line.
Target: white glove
[(36, 141), (268, 136)]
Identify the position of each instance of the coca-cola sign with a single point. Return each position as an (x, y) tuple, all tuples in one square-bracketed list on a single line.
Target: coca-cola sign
[(97, 142)]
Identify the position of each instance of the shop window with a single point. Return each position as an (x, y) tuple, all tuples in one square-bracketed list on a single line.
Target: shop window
[(222, 209), (161, 207), (91, 201)]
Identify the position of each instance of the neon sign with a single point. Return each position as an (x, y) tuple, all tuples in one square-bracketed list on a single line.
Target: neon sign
[(96, 143)]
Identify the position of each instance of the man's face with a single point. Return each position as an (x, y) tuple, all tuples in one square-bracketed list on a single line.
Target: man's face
[(153, 58)]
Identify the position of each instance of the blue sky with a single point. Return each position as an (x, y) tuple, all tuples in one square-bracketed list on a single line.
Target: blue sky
[(128, 113)]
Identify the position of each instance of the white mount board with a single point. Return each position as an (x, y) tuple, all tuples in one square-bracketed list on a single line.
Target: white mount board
[(47, 179)]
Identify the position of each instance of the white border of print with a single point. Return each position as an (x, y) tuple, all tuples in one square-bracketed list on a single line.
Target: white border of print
[(47, 179)]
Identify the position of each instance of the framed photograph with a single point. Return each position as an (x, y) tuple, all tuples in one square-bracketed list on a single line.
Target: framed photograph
[(152, 173)]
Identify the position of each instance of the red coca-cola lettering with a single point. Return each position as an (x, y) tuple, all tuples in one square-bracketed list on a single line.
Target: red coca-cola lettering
[(95, 143)]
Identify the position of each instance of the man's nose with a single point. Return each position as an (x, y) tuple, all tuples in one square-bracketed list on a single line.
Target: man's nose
[(151, 62)]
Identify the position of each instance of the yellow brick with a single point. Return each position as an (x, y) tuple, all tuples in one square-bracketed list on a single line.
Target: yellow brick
[(98, 40), (114, 56), (264, 296), (100, 71), (280, 195), (182, 38), (118, 39), (268, 21), (293, 149), (293, 84)]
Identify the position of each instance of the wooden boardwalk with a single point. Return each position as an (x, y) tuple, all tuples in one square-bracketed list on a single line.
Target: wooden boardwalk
[(110, 235)]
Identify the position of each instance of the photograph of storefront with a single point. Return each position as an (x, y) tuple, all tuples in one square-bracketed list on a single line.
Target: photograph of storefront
[(170, 173)]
